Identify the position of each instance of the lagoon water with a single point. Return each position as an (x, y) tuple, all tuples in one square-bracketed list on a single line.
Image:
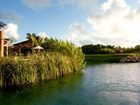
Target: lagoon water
[(100, 84)]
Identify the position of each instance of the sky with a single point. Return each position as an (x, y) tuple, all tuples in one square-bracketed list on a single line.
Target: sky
[(108, 22)]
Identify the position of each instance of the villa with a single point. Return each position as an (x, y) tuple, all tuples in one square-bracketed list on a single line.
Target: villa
[(26, 45)]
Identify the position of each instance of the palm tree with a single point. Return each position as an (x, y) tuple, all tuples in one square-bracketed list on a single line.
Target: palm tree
[(35, 40)]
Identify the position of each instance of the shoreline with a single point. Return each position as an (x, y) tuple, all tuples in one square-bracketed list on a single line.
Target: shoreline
[(111, 58)]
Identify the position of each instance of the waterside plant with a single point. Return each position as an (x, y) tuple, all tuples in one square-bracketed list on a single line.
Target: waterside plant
[(25, 71)]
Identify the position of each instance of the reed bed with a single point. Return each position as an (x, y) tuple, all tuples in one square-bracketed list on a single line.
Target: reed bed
[(21, 72)]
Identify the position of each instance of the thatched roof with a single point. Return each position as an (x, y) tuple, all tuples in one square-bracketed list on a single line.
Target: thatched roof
[(38, 47)]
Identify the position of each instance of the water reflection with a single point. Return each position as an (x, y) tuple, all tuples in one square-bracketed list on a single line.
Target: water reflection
[(44, 94), (119, 98), (100, 84), (114, 84)]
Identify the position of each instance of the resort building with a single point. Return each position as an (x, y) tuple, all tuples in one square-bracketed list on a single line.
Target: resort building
[(22, 47)]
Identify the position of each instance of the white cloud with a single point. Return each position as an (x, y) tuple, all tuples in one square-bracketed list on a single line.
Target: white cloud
[(11, 31), (80, 3), (138, 1), (80, 36), (42, 34), (116, 23), (36, 4), (39, 4)]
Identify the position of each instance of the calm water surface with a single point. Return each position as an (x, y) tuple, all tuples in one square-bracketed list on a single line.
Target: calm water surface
[(100, 84)]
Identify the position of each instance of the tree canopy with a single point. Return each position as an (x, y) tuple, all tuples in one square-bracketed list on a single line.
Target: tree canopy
[(108, 49), (36, 40)]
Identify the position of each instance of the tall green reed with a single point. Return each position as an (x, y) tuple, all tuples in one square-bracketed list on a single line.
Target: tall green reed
[(20, 72)]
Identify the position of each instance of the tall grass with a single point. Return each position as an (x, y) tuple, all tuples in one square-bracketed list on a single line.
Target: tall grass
[(58, 59), (19, 72), (65, 48)]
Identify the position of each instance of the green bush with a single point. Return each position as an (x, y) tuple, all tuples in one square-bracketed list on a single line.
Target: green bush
[(107, 51)]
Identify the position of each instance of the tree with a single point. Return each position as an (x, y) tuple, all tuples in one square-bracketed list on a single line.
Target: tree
[(107, 51), (98, 49), (137, 48), (35, 40)]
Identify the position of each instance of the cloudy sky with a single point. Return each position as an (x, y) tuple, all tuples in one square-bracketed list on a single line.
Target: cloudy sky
[(115, 22)]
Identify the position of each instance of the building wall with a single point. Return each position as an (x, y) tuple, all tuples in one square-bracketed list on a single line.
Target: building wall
[(18, 47), (1, 44)]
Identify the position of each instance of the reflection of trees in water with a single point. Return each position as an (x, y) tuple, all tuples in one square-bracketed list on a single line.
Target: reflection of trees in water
[(42, 93)]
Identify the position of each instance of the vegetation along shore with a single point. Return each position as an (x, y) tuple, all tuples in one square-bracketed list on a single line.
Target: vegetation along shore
[(58, 58), (103, 54)]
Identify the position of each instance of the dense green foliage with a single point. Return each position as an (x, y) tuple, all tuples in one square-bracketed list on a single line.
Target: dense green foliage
[(58, 59), (64, 47), (102, 54), (16, 72), (98, 49), (108, 49), (132, 49), (35, 40)]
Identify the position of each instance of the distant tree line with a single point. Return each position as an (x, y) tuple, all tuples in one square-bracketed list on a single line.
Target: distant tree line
[(108, 49)]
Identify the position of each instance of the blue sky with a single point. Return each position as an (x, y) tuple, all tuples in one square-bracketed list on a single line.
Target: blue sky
[(54, 20), (80, 21)]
